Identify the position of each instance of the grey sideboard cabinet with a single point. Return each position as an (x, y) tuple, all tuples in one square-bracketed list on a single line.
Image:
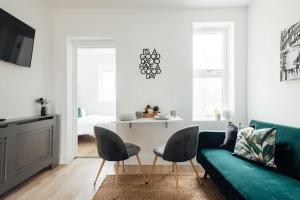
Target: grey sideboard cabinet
[(27, 145)]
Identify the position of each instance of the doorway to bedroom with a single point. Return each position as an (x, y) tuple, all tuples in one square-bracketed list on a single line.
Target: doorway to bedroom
[(96, 95)]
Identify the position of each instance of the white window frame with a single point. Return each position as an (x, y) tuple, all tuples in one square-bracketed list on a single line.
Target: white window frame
[(100, 90), (214, 73)]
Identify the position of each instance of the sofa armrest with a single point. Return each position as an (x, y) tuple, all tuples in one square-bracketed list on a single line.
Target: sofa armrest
[(210, 139)]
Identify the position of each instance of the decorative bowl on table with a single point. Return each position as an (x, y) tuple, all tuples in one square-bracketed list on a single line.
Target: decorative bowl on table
[(127, 117), (162, 116), (148, 115)]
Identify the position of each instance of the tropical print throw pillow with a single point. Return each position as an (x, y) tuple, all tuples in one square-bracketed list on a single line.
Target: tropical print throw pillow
[(256, 145)]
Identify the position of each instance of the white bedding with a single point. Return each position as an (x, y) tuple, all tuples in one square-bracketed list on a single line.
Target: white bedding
[(85, 125)]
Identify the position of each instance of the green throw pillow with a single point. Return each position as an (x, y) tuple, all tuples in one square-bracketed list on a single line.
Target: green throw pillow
[(256, 145)]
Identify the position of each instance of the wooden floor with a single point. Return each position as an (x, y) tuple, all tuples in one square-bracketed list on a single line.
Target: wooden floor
[(87, 146), (75, 180)]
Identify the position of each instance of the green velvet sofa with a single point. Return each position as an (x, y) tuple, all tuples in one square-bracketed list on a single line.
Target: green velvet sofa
[(240, 179)]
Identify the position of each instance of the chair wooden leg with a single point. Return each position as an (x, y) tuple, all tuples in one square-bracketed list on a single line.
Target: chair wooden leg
[(176, 178), (173, 170), (153, 165), (173, 165), (140, 164), (117, 173), (198, 177), (123, 166), (205, 175), (102, 164)]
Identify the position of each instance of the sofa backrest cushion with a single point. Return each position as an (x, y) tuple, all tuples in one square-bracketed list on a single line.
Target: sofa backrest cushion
[(287, 149)]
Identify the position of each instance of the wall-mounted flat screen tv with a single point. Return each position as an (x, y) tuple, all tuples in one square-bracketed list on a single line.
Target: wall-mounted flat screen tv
[(16, 40)]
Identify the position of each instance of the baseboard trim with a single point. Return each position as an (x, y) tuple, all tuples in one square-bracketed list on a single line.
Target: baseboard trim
[(63, 160)]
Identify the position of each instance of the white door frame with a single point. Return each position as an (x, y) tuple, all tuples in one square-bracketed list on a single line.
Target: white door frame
[(72, 45)]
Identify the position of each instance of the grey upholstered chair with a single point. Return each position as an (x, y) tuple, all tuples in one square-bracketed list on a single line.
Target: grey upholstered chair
[(181, 147), (112, 148)]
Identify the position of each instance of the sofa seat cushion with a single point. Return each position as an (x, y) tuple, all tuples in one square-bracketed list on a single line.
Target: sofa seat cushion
[(252, 181)]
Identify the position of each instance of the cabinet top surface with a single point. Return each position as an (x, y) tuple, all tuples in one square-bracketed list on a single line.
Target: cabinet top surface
[(24, 119)]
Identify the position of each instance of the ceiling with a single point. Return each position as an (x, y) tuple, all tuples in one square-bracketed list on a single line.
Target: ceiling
[(70, 4)]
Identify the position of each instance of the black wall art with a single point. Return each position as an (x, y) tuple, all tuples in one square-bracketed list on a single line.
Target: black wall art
[(150, 63), (290, 53)]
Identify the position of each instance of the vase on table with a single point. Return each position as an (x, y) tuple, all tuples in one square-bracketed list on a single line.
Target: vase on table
[(43, 102), (43, 111)]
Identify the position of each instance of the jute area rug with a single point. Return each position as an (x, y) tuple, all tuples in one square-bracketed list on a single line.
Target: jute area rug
[(133, 187)]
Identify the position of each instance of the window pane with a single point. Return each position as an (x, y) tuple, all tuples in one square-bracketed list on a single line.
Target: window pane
[(208, 50), (207, 97), (107, 86)]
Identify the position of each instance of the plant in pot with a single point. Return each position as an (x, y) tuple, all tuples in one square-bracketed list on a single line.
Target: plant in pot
[(43, 102), (217, 115)]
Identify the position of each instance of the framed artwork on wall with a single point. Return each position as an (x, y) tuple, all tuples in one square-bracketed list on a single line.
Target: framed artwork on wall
[(149, 63), (290, 53)]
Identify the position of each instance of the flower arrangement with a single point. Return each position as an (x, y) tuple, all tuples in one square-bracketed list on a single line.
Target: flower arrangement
[(150, 111), (42, 101)]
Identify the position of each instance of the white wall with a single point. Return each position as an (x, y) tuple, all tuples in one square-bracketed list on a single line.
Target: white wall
[(268, 98), (168, 31), (20, 86)]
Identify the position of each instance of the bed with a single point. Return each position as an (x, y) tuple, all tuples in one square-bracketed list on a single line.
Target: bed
[(86, 123)]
